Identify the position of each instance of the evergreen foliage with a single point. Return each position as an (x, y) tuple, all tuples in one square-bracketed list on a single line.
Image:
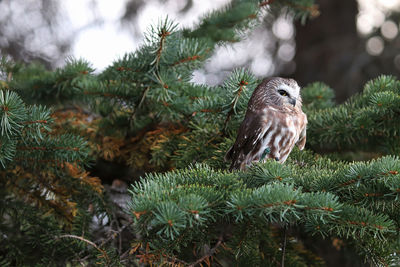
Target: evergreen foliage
[(143, 111), (356, 202)]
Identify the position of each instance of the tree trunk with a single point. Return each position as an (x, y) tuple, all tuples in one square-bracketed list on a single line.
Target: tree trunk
[(328, 49)]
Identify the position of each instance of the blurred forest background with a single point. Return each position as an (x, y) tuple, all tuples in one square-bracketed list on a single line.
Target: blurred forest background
[(352, 42)]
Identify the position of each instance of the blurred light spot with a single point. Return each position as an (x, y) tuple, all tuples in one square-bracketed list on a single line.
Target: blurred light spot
[(78, 13), (5, 10), (375, 46), (286, 52), (397, 62), (212, 79), (283, 29), (102, 45), (365, 24), (238, 54), (3, 41), (109, 10), (389, 3), (198, 77), (378, 17), (389, 29), (176, 5), (151, 13), (262, 66)]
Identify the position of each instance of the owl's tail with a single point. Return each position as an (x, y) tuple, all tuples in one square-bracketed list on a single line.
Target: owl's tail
[(228, 155), (235, 163)]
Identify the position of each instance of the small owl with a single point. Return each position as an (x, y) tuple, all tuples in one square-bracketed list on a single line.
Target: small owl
[(273, 124)]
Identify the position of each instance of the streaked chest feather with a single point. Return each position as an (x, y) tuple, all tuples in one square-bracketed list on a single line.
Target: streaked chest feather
[(280, 132)]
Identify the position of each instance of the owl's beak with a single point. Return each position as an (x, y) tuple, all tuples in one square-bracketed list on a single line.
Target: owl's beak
[(292, 101)]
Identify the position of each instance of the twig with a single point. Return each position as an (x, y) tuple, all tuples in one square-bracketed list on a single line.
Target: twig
[(139, 104), (111, 237), (283, 246), (242, 85), (163, 36), (124, 255), (103, 252), (175, 260), (120, 242), (209, 254), (9, 76)]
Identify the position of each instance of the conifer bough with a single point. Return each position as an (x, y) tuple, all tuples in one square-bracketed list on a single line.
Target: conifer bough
[(144, 111)]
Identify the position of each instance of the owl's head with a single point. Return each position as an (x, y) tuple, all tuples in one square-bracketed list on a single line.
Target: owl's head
[(277, 91), (287, 91)]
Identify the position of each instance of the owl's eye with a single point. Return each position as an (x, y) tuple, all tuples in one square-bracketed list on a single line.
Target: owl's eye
[(283, 92)]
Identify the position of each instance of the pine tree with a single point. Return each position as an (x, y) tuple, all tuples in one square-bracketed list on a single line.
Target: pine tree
[(188, 210)]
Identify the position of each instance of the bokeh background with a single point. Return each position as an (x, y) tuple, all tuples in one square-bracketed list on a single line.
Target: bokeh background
[(350, 42)]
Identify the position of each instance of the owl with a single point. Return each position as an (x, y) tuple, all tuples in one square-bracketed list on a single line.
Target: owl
[(273, 124)]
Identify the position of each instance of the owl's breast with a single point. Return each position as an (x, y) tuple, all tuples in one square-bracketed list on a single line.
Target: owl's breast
[(282, 134)]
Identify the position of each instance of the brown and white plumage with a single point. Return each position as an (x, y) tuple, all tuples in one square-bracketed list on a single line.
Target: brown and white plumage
[(273, 120)]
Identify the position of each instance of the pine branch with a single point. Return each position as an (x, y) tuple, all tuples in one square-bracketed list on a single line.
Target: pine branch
[(234, 102), (158, 36), (209, 254)]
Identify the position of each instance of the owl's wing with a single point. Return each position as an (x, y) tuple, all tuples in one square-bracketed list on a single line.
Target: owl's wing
[(248, 142), (302, 138)]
